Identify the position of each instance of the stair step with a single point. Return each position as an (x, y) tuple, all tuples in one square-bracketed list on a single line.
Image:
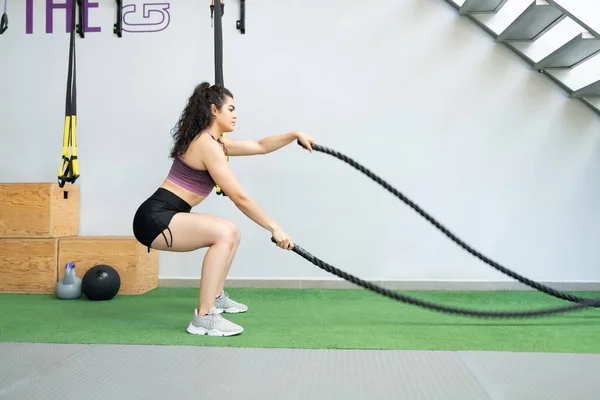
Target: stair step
[(533, 22), (590, 90), (560, 38), (481, 6), (577, 50)]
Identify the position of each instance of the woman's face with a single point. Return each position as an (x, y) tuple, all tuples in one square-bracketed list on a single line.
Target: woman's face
[(226, 117)]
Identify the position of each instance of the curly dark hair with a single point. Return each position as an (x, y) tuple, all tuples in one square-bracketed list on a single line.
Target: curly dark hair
[(197, 115)]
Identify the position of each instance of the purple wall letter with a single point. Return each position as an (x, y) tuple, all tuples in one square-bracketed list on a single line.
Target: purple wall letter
[(147, 17), (29, 17), (50, 6), (153, 17), (66, 5), (88, 5)]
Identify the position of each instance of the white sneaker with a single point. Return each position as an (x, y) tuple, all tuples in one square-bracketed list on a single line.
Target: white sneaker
[(224, 304), (213, 324)]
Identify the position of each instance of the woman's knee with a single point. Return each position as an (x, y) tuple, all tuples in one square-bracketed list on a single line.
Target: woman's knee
[(230, 234)]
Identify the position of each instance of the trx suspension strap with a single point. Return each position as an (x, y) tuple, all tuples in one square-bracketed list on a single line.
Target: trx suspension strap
[(4, 20), (118, 26), (69, 169), (220, 11), (218, 26)]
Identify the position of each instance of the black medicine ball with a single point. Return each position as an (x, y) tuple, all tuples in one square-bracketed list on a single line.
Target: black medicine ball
[(101, 282)]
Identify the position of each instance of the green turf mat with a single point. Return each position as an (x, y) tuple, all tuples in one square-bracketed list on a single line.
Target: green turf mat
[(307, 318)]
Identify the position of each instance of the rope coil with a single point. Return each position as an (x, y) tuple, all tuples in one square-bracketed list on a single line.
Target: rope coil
[(582, 302)]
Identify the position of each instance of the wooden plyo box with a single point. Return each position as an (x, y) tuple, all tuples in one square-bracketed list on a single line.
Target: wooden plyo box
[(38, 210), (28, 265), (137, 268)]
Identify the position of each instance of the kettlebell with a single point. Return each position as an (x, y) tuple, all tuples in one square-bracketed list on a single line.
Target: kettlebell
[(69, 287)]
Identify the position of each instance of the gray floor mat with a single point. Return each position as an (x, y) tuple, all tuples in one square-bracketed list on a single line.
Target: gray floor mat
[(536, 376), (74, 371), (158, 372)]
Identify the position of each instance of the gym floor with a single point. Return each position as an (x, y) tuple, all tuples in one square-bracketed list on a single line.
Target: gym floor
[(297, 344), (75, 371)]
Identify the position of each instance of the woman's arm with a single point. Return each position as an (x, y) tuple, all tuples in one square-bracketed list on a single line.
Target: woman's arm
[(265, 145), (223, 176)]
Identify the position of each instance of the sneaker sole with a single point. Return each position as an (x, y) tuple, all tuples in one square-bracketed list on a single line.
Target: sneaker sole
[(194, 330), (230, 310)]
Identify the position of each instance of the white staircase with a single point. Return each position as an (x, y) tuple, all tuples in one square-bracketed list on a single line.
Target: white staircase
[(559, 38)]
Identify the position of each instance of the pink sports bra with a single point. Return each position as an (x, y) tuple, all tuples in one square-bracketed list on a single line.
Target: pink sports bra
[(195, 180)]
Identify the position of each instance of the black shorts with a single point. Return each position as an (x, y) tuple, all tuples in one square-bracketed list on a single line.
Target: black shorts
[(153, 216)]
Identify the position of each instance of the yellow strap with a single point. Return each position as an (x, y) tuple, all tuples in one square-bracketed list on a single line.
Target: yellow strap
[(68, 172)]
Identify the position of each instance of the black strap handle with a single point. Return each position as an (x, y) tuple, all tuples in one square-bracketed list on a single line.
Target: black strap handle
[(118, 26), (240, 24)]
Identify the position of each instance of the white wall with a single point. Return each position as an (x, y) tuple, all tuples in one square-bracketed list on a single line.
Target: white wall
[(424, 98)]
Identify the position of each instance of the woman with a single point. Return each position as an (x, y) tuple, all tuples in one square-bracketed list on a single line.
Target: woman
[(165, 221)]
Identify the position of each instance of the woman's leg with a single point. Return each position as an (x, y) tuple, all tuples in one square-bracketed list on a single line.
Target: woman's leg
[(230, 259), (192, 231), (223, 302)]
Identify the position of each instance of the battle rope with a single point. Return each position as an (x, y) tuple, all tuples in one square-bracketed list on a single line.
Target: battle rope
[(583, 302), (68, 172), (218, 10), (433, 306), (546, 289), (4, 20)]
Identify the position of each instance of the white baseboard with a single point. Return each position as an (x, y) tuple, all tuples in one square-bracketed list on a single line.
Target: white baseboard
[(394, 285)]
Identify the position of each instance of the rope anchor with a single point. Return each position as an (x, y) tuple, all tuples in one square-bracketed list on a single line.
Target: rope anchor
[(582, 302)]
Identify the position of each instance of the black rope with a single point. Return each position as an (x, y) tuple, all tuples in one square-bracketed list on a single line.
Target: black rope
[(543, 288), (582, 302), (433, 306)]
